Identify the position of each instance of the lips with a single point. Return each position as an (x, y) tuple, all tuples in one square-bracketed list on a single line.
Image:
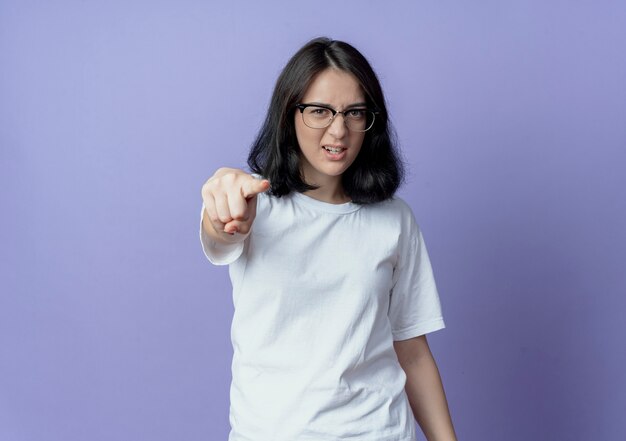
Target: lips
[(335, 150)]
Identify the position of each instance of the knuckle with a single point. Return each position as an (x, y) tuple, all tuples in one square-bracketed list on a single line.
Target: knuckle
[(206, 189), (209, 188), (238, 214), (225, 218), (222, 171), (225, 182)]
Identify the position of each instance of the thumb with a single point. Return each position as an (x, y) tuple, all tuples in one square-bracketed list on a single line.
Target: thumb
[(253, 186)]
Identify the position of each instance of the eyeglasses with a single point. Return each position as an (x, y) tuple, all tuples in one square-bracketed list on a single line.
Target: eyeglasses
[(316, 116)]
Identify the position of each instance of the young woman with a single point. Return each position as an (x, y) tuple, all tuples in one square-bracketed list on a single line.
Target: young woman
[(332, 285)]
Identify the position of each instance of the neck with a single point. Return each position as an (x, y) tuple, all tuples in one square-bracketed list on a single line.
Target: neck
[(332, 194), (329, 188)]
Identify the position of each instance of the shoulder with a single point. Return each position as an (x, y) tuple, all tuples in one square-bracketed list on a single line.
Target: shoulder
[(394, 216), (269, 205), (400, 205), (399, 214), (266, 202), (394, 207)]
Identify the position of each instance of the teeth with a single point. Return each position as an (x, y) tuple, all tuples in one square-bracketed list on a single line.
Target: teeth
[(333, 149)]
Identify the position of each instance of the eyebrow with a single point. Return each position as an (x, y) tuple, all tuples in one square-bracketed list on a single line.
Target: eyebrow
[(349, 106)]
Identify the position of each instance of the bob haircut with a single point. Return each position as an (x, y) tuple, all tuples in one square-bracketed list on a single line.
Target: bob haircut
[(377, 171)]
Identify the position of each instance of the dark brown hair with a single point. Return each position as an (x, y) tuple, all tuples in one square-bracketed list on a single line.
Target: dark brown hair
[(377, 171)]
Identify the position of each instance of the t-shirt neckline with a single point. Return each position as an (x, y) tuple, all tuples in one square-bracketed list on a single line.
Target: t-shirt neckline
[(347, 207)]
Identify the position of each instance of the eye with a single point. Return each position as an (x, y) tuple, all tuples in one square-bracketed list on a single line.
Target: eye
[(318, 112), (356, 113)]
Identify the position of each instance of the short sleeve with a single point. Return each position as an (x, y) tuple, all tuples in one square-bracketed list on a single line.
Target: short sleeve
[(218, 253), (414, 307)]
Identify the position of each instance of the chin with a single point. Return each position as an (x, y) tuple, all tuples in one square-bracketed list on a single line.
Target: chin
[(334, 172)]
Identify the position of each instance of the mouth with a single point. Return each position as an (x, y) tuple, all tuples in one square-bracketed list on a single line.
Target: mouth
[(333, 150)]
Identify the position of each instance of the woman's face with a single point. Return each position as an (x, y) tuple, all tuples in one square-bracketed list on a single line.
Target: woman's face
[(327, 153)]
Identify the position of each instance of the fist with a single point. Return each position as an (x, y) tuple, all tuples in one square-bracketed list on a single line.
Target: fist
[(229, 198)]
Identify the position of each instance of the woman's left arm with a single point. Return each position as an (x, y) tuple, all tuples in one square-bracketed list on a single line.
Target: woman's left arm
[(425, 389)]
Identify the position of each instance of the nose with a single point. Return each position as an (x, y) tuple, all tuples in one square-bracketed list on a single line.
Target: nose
[(338, 127)]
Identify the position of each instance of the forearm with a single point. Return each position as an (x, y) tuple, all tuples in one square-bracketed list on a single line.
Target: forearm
[(427, 398)]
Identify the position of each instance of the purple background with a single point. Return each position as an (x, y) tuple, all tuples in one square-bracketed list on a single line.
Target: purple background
[(511, 115)]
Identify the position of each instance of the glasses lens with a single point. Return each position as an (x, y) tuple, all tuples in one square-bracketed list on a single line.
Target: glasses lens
[(359, 120), (317, 117)]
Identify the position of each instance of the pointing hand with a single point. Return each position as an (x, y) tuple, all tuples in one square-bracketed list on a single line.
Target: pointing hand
[(230, 202)]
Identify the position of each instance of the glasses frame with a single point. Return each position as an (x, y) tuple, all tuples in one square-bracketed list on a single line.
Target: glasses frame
[(303, 106)]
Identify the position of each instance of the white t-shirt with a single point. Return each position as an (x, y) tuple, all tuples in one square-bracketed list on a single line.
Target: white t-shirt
[(321, 291)]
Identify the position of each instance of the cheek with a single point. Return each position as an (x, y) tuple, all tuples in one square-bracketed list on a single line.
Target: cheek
[(307, 138), (300, 132)]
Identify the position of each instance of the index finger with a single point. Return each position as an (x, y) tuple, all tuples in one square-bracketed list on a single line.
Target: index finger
[(253, 186)]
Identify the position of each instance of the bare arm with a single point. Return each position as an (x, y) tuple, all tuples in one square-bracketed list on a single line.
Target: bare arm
[(229, 198), (425, 389)]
